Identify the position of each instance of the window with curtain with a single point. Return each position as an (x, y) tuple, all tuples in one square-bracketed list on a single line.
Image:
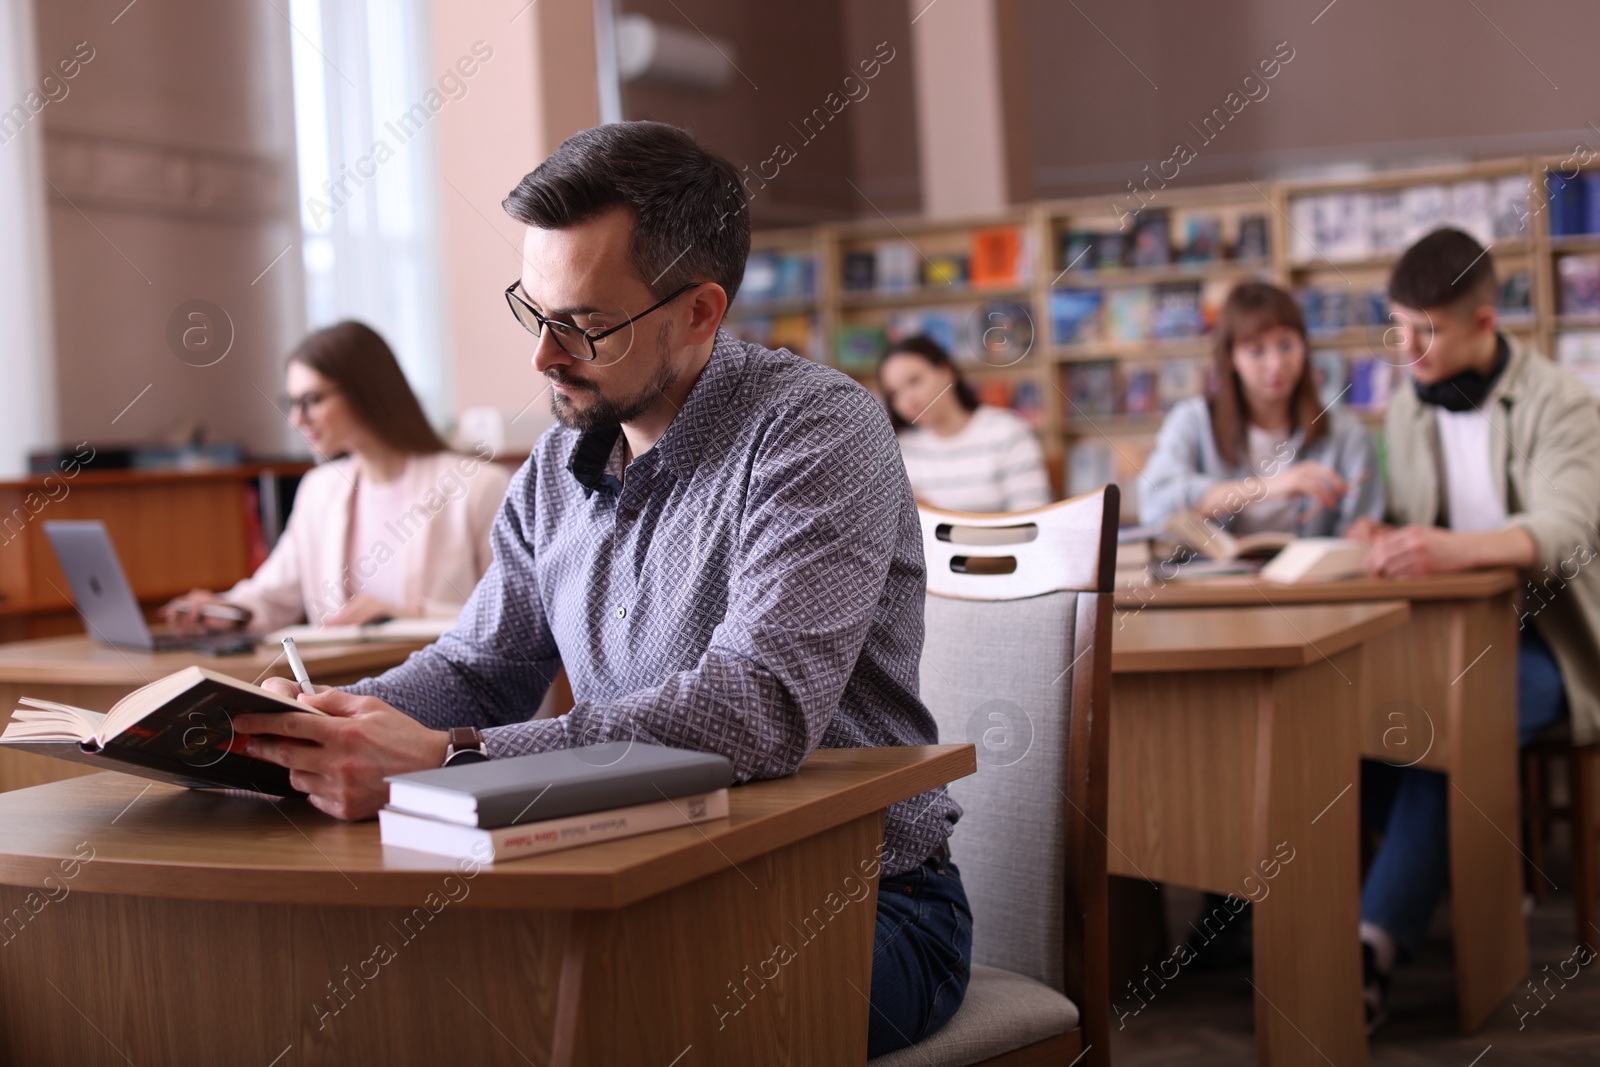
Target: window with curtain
[(27, 358), (369, 204)]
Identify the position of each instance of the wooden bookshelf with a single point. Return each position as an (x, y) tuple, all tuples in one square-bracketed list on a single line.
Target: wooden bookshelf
[(1050, 362)]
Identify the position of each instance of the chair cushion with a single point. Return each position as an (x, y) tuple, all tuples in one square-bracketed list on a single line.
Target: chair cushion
[(1002, 1011)]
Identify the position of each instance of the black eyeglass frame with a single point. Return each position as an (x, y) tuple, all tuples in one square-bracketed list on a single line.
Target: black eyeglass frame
[(561, 328)]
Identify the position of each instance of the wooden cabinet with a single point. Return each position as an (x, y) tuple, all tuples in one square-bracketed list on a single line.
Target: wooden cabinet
[(175, 531)]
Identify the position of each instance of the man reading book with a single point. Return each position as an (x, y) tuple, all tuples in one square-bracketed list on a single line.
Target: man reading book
[(718, 542), (1494, 461)]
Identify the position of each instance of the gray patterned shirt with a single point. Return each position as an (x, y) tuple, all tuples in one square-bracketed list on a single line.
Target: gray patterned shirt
[(753, 586)]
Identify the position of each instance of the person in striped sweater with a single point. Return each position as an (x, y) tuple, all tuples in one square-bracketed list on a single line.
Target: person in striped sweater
[(960, 455)]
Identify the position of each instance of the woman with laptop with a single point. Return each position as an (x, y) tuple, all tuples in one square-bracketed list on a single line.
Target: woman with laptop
[(394, 524)]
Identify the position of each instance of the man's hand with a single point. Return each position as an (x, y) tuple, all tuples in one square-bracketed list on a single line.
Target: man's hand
[(340, 760), (1414, 551)]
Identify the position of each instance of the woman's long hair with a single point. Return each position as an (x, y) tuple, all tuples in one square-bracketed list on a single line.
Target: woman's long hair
[(361, 366), (1252, 309), (933, 353)]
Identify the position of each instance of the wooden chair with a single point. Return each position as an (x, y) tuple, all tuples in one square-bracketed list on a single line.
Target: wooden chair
[(1017, 660), (1538, 813)]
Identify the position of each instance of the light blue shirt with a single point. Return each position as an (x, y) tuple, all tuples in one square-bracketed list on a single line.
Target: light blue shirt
[(1185, 464)]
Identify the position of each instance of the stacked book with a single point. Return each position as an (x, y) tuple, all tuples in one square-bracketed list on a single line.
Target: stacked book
[(505, 809)]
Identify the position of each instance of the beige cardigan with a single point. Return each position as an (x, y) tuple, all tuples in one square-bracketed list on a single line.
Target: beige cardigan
[(443, 540), (1545, 457)]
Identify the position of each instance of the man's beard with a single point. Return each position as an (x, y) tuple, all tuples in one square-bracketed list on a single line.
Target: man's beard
[(603, 413)]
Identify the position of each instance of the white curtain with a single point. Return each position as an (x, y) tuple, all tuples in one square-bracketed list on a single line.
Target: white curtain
[(27, 345), (369, 201)]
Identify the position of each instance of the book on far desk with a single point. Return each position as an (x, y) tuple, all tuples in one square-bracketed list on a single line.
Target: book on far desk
[(1213, 542), (404, 630), (547, 835), (177, 729), (549, 785)]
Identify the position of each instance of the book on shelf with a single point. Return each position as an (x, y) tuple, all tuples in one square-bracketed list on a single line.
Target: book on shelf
[(997, 257), (899, 267), (1202, 239), (1075, 315), (950, 328), (1371, 383), (1091, 463), (944, 271), (860, 271), (1578, 352), (1566, 201), (797, 333), (1180, 379), (1580, 284), (1515, 302), (1387, 218), (553, 785), (1129, 311), (1091, 390), (1152, 240), (1472, 209), (177, 729), (1426, 207), (1591, 201), (772, 275), (1077, 248), (403, 630), (1511, 207), (1335, 309), (1003, 333), (1110, 251), (1331, 374), (858, 347), (401, 830), (1175, 311), (1027, 400), (1139, 393), (1251, 243)]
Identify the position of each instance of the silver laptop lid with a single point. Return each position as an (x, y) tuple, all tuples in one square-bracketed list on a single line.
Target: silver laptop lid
[(105, 601)]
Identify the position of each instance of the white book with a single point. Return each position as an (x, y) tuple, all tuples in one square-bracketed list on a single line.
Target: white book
[(392, 630), (1472, 210), (1427, 207), (421, 834), (1317, 559)]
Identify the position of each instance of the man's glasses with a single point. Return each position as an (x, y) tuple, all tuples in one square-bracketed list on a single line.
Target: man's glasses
[(575, 342), (306, 403)]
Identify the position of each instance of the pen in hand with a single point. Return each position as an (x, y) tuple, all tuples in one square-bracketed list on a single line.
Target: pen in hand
[(297, 665)]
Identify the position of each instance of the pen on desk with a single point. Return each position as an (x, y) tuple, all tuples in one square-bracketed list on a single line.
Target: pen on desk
[(297, 665)]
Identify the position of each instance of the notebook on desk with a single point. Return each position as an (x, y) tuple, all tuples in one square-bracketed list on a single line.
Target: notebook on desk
[(105, 600)]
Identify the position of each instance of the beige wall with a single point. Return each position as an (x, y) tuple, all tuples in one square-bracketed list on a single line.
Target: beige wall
[(172, 161), (538, 88)]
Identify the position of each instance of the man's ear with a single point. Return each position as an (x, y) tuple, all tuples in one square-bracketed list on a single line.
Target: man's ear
[(1485, 318), (708, 303)]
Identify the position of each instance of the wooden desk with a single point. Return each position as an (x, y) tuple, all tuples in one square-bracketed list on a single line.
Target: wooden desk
[(211, 929), (1439, 693), (77, 671), (1234, 762)]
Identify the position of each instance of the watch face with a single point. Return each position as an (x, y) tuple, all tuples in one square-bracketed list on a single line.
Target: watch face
[(466, 755)]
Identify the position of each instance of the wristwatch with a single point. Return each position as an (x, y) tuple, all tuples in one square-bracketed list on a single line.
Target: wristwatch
[(466, 746)]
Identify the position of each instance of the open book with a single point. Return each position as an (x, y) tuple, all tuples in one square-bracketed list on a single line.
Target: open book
[(1212, 541), (177, 729)]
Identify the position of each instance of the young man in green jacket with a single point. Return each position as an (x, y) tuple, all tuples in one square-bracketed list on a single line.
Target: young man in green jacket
[(1494, 461)]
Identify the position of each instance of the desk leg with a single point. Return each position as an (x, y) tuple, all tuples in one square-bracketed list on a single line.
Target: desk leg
[(1491, 933), (1307, 945)]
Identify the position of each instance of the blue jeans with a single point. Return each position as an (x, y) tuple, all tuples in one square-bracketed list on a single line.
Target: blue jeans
[(921, 954), (1411, 806)]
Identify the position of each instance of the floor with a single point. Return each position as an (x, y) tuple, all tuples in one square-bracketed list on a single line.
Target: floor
[(1205, 1018)]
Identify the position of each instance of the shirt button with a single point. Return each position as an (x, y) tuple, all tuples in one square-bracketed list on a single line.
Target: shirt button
[(622, 613)]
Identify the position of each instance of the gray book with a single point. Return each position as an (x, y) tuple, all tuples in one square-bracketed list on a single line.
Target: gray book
[(549, 785)]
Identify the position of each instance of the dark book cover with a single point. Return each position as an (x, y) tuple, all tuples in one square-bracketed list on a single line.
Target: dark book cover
[(860, 271), (1152, 241)]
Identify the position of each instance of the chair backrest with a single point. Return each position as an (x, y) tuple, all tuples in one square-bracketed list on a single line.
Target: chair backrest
[(1017, 661)]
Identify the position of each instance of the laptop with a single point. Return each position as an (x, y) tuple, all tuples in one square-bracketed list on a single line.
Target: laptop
[(106, 602)]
